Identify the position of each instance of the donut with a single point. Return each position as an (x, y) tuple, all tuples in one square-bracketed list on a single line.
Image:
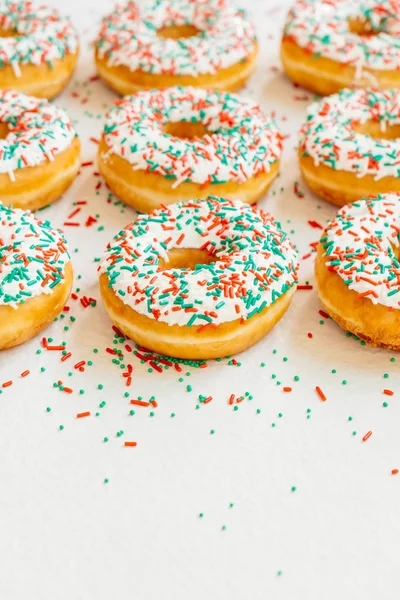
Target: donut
[(39, 151), (199, 279), (35, 275), (148, 44), (38, 49), (328, 45), (349, 145), (165, 146), (358, 270)]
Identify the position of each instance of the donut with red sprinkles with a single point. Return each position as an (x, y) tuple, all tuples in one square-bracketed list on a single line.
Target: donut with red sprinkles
[(162, 146), (349, 145), (358, 269), (35, 275), (240, 287), (329, 45), (40, 52), (39, 152), (161, 43)]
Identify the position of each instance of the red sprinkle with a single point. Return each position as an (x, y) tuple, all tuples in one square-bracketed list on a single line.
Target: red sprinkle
[(320, 393), (84, 414), (315, 224), (395, 471), (25, 373), (367, 436), (74, 212), (388, 392), (130, 444), (140, 403)]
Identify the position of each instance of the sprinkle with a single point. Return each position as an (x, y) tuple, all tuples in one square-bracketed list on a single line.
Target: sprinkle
[(367, 436), (320, 393), (140, 403), (82, 415)]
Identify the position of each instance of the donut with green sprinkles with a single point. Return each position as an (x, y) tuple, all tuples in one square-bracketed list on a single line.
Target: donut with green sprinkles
[(33, 257), (252, 263), (38, 35), (361, 247), (323, 28), (330, 137), (242, 141), (37, 131), (129, 36)]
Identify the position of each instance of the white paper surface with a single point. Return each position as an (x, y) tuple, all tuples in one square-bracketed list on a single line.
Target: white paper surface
[(65, 534)]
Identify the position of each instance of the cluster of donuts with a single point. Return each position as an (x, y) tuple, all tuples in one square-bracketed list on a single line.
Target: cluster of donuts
[(349, 152), (198, 275)]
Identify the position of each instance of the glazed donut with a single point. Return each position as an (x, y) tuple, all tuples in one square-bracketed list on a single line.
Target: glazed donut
[(349, 145), (199, 279), (160, 147), (39, 151), (358, 271), (38, 48), (35, 275), (162, 43), (329, 45)]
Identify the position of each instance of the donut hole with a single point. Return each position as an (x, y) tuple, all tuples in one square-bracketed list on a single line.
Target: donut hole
[(374, 129), (178, 32), (186, 258), (362, 28), (4, 131), (186, 130)]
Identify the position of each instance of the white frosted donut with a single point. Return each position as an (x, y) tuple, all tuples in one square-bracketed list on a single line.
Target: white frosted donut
[(35, 275), (159, 43), (332, 44), (358, 269), (38, 48), (146, 166), (199, 279), (39, 152), (349, 145)]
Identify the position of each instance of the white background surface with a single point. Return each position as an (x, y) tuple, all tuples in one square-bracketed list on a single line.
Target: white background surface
[(67, 535)]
